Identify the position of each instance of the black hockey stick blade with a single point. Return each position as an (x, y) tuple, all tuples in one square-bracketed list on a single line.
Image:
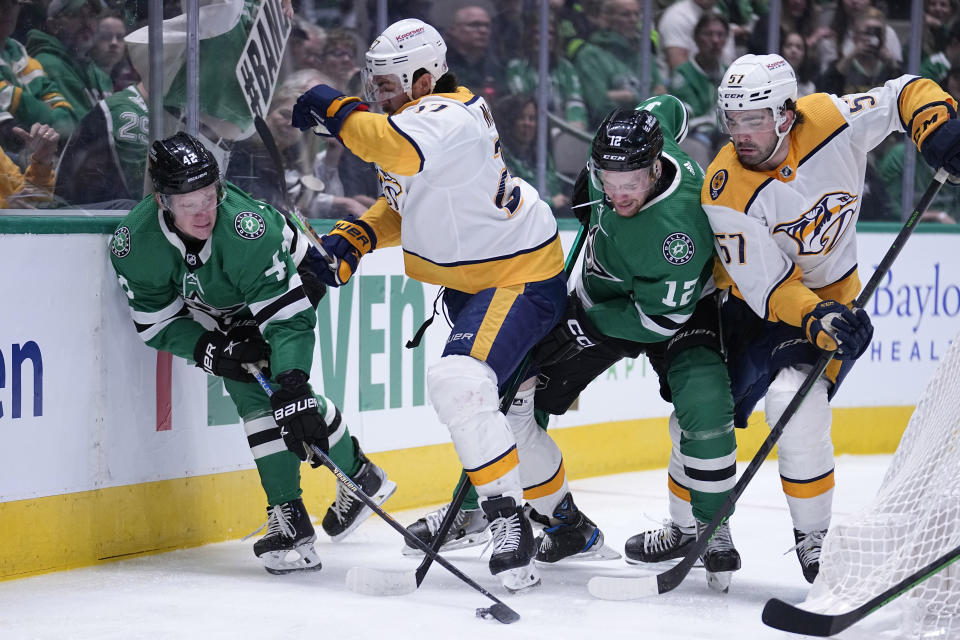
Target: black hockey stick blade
[(502, 614), (787, 617)]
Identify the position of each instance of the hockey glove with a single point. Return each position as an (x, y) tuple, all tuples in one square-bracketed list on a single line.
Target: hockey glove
[(311, 265), (574, 333), (325, 106), (225, 354), (941, 147), (581, 196), (296, 411), (346, 244), (832, 326)]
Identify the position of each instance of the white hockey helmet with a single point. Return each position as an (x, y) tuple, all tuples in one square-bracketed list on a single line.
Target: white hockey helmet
[(755, 82), (402, 49)]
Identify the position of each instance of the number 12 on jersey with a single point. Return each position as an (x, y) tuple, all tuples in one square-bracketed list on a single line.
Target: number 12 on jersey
[(685, 293)]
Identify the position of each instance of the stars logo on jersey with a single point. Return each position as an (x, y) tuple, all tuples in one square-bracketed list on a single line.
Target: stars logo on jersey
[(590, 264), (717, 183), (249, 225), (819, 228), (678, 248), (120, 245)]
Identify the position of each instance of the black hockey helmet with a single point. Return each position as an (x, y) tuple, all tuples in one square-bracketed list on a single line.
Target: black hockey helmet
[(182, 164), (627, 140)]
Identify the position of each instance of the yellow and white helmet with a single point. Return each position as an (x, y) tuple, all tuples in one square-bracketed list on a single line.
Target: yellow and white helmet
[(402, 49)]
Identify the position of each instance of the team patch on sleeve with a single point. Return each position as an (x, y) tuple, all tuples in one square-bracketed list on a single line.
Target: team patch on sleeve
[(120, 245), (249, 225), (678, 248), (717, 183)]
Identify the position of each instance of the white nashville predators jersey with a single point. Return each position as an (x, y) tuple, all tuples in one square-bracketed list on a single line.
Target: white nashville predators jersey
[(787, 237), (465, 222)]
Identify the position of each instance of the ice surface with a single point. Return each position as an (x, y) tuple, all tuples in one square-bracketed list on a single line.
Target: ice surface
[(221, 590)]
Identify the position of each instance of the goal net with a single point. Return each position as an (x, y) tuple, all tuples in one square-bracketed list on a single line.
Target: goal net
[(914, 519)]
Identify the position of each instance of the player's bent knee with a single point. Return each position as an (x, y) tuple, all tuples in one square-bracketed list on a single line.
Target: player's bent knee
[(461, 387), (701, 392)]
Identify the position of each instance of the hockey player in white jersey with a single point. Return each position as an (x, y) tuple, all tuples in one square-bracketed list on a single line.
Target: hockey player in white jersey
[(783, 198), (466, 224)]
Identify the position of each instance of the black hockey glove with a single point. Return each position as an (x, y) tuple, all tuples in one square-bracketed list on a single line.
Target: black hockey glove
[(225, 354), (581, 196), (574, 333), (308, 268), (942, 147), (832, 326), (296, 410)]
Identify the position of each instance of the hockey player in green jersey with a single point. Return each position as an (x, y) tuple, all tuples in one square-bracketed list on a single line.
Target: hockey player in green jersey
[(645, 287), (211, 275)]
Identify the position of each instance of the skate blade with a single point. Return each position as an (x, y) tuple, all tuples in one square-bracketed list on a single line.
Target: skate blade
[(521, 579), (302, 558), (593, 554), (467, 541), (375, 582), (719, 581), (383, 494)]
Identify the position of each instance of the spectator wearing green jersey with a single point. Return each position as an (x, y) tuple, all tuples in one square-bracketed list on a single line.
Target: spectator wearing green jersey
[(27, 94), (565, 98), (105, 160), (609, 62), (64, 51)]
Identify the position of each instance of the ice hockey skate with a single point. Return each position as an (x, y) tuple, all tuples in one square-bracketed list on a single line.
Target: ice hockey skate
[(513, 544), (808, 552), (288, 544), (669, 542), (469, 529), (347, 512), (569, 535), (720, 558)]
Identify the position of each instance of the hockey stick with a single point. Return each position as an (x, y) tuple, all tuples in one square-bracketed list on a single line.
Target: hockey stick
[(292, 213), (377, 582), (500, 611), (786, 617), (615, 588)]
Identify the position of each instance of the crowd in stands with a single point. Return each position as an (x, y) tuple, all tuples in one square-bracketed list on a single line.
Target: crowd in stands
[(65, 65)]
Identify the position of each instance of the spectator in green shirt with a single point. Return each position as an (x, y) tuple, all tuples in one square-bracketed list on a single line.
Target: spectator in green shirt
[(566, 93), (64, 53)]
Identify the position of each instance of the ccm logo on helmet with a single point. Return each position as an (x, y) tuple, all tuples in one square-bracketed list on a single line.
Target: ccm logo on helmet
[(409, 34), (292, 408)]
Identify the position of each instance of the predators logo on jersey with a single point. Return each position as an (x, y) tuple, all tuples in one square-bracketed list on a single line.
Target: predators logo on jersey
[(819, 228), (390, 188)]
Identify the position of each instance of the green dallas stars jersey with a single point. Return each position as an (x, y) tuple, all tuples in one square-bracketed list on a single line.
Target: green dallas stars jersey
[(246, 269), (642, 276)]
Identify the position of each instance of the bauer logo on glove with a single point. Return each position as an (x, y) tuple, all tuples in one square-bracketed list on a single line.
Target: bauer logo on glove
[(294, 407)]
